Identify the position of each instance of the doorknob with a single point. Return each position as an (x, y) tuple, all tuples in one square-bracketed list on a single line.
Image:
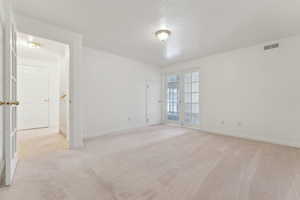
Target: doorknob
[(63, 96), (13, 103)]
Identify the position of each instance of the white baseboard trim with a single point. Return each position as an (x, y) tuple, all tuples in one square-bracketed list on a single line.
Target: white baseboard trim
[(279, 141), (283, 142), (118, 131)]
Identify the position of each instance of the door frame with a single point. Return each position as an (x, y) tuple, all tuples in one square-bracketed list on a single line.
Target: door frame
[(74, 41), (181, 98)]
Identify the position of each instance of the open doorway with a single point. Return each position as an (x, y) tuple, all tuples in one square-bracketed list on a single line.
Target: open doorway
[(43, 92)]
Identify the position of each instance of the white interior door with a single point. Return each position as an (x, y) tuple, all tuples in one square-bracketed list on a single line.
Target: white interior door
[(153, 109), (33, 93), (10, 110), (64, 100), (2, 103)]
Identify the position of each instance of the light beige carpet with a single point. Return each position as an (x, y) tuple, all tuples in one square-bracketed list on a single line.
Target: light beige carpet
[(36, 143), (161, 163)]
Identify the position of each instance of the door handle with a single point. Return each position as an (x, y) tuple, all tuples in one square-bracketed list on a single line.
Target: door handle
[(13, 103), (2, 103), (16, 103), (63, 96)]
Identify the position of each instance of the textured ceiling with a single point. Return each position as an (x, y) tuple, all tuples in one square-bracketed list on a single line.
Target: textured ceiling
[(199, 27)]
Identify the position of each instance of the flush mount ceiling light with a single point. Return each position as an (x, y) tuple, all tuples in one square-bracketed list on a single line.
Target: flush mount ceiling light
[(34, 45), (29, 44), (163, 34)]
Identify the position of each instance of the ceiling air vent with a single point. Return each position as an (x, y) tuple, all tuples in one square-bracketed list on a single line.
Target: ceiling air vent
[(271, 46)]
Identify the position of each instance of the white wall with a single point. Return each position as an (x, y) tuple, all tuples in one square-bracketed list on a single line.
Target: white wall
[(53, 68), (255, 92), (115, 92)]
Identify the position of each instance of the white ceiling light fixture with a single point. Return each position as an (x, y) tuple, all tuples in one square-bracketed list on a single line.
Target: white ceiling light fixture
[(29, 44), (163, 34), (34, 45)]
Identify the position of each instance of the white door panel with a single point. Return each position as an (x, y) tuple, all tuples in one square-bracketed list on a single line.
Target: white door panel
[(191, 98), (10, 109), (153, 107), (33, 93), (1, 97)]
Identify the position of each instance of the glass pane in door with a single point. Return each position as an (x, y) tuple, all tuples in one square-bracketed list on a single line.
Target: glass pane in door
[(191, 98), (173, 97)]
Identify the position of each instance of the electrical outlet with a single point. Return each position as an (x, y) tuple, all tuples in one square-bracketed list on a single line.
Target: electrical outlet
[(239, 123), (222, 122), (129, 119)]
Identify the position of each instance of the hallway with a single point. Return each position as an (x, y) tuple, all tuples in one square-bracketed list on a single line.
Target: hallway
[(36, 143)]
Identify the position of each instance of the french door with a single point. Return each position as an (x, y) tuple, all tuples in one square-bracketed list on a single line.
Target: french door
[(173, 98), (183, 98), (191, 107), (11, 103)]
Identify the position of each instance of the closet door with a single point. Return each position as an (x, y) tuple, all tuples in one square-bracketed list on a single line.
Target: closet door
[(33, 86)]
